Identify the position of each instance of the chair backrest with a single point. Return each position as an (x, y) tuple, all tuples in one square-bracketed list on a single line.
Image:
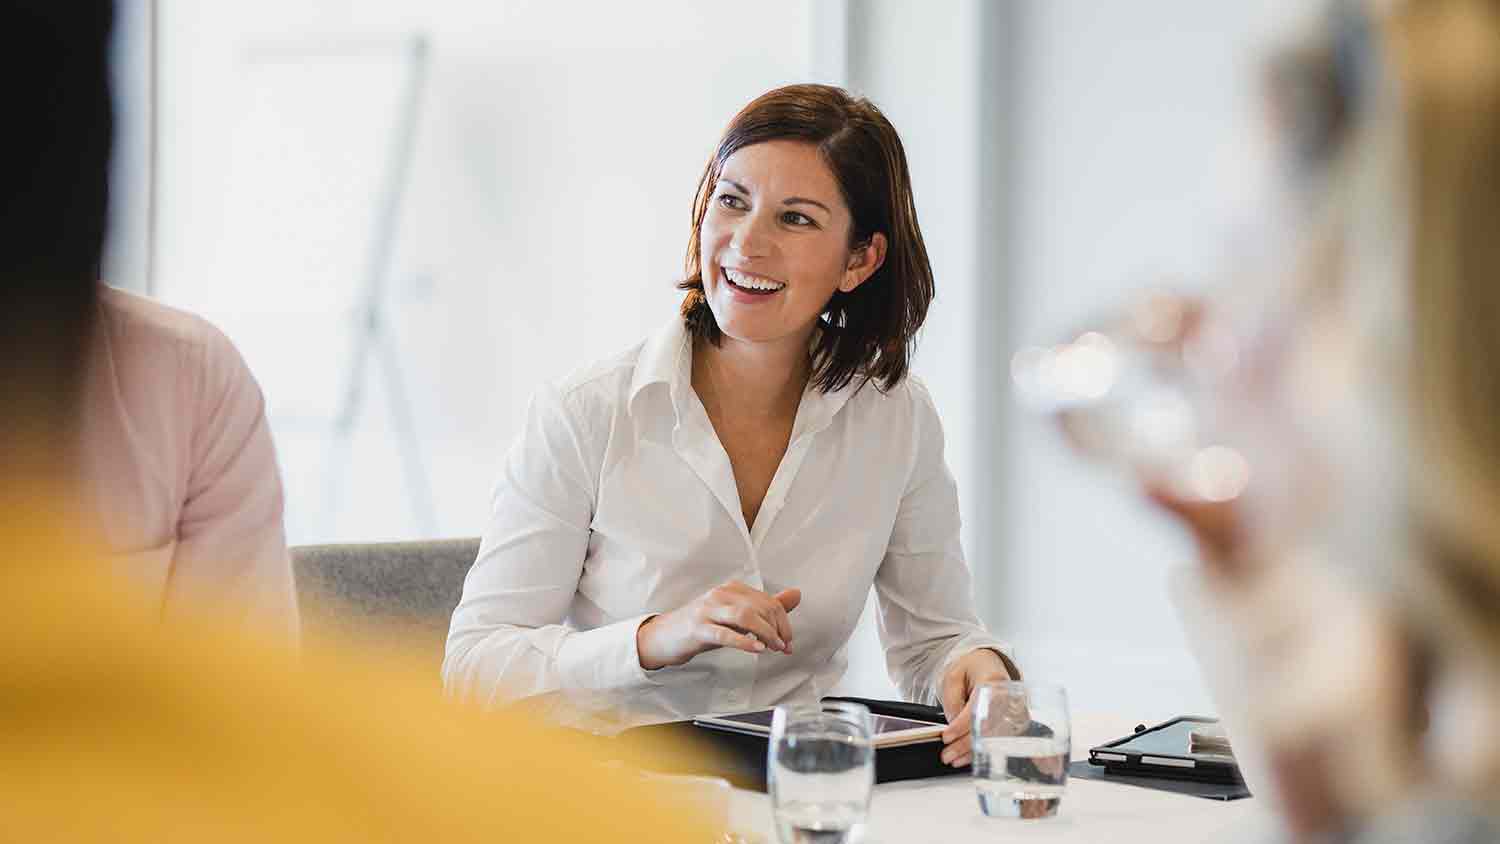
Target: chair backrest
[(391, 590)]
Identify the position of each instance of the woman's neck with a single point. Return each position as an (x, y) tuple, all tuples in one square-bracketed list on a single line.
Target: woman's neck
[(756, 380)]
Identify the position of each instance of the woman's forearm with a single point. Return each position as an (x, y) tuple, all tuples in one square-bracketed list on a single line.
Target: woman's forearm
[(502, 663)]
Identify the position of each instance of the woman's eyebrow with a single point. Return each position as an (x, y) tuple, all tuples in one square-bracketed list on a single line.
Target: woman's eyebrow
[(791, 200), (802, 200)]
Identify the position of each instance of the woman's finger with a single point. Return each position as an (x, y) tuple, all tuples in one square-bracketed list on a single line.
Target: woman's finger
[(745, 617), (736, 595), (724, 637), (775, 613), (953, 693), (957, 754), (789, 598), (960, 725), (783, 624)]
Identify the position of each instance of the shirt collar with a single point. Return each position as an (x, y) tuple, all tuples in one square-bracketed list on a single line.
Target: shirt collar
[(666, 358), (818, 408)]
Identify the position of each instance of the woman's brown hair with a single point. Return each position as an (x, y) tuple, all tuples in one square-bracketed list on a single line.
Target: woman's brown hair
[(1448, 53), (870, 332)]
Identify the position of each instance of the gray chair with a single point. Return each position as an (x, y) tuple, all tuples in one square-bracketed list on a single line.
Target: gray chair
[(400, 592)]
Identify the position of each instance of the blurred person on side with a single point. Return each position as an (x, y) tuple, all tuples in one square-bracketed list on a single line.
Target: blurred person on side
[(178, 465), (694, 525), (123, 726), (1358, 574)]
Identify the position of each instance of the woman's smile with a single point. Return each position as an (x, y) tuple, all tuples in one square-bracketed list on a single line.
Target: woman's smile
[(749, 286)]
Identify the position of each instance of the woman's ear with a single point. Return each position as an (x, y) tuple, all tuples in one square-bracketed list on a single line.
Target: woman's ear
[(863, 262)]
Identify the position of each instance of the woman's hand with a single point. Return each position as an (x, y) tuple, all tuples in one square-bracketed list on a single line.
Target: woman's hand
[(729, 616), (964, 676)]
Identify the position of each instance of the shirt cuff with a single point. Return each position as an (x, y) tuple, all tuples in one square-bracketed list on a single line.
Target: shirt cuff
[(966, 645), (603, 658)]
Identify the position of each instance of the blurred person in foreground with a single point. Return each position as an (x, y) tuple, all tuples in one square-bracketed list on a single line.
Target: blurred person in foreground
[(120, 725), (1359, 571)]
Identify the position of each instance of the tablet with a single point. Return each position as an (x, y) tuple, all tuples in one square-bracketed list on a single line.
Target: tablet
[(888, 730), (1165, 751)]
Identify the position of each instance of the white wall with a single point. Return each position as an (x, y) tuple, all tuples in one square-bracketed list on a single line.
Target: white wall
[(556, 158), (892, 45), (919, 62)]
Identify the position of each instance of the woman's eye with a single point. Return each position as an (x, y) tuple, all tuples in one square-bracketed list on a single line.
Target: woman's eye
[(729, 200), (793, 218)]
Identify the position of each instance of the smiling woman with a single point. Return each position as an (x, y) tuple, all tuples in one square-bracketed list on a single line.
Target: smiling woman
[(693, 525), (848, 160)]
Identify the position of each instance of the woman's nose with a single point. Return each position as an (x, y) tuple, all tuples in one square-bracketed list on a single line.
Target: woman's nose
[(752, 237)]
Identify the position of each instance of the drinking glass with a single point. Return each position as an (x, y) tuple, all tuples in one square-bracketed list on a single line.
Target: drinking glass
[(820, 770), (1022, 742), (1141, 390)]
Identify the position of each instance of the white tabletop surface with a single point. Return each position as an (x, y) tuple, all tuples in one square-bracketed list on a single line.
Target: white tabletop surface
[(946, 809)]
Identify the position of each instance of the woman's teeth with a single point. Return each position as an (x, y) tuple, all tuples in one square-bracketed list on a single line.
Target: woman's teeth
[(754, 284)]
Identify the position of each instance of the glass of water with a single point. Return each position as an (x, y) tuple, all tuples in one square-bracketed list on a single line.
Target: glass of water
[(821, 771), (1022, 743)]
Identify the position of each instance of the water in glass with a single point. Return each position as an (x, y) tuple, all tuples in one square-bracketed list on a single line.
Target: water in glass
[(1020, 776), (821, 770), (1022, 742)]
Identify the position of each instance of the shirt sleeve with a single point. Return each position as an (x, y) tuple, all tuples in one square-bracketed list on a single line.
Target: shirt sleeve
[(231, 540), (925, 592), (509, 638)]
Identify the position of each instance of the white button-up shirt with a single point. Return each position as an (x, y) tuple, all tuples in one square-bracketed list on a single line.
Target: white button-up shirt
[(618, 501)]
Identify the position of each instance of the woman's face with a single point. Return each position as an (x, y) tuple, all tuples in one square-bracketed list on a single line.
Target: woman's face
[(775, 243)]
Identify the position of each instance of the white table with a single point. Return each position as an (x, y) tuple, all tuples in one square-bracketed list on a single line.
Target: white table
[(946, 809)]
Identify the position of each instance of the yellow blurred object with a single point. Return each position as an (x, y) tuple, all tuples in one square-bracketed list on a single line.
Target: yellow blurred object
[(122, 727)]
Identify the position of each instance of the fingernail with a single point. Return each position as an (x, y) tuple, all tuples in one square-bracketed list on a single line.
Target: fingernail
[(759, 645)]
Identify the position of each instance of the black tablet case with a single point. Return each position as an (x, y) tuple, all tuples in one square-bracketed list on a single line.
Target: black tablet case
[(1083, 770), (741, 758)]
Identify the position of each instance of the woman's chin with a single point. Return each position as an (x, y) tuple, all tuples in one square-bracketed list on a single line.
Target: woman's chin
[(745, 327), (747, 333), (749, 324)]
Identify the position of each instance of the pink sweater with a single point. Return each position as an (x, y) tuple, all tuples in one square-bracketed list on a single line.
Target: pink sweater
[(179, 466)]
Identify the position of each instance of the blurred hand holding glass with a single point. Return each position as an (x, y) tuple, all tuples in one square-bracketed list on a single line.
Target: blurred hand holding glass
[(821, 772), (1138, 391), (1022, 744)]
